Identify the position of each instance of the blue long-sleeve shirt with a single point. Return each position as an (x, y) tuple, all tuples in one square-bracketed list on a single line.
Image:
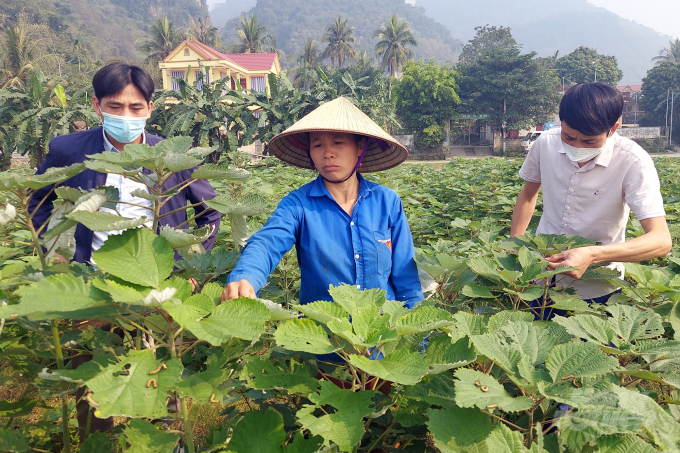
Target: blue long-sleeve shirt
[(371, 249)]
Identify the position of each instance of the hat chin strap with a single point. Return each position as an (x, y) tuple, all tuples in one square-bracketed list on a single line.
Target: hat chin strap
[(356, 167)]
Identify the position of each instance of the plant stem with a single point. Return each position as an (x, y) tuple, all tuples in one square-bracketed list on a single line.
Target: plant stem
[(66, 435), (375, 444), (186, 422)]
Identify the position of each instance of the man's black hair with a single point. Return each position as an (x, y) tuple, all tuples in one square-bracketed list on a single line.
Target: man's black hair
[(591, 108), (113, 78)]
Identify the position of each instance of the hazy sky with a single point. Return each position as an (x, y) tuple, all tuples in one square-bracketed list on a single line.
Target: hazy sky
[(661, 15)]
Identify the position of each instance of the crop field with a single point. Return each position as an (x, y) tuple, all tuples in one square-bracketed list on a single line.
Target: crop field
[(467, 370)]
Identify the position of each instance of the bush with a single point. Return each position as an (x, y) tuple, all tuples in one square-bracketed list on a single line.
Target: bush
[(656, 145)]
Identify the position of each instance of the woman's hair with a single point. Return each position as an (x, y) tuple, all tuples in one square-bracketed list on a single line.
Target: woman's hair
[(591, 108), (113, 78)]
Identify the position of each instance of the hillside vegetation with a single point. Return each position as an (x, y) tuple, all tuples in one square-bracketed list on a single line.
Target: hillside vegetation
[(559, 26), (291, 22)]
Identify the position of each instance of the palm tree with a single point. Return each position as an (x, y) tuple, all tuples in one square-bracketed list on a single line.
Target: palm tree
[(395, 37), (339, 37), (307, 63), (671, 53), (164, 39), (21, 49), (254, 37), (202, 30)]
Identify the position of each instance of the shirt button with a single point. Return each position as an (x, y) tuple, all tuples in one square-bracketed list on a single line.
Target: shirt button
[(564, 224), (568, 208), (351, 223), (571, 190), (356, 256), (358, 286)]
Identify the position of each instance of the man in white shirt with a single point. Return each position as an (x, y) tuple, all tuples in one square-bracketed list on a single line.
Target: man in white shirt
[(592, 178)]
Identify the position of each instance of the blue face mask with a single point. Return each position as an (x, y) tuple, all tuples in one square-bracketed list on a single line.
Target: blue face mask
[(124, 129)]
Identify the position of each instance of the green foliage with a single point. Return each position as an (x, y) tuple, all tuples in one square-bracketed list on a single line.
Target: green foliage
[(426, 98), (586, 65)]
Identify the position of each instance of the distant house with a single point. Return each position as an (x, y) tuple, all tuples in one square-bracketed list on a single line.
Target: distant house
[(631, 106), (248, 69)]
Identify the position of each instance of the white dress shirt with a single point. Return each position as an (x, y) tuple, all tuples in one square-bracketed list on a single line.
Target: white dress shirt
[(593, 201), (125, 186)]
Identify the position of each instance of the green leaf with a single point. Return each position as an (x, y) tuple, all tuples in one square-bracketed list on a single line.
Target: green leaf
[(65, 293), (90, 202), (123, 388), (137, 256), (442, 354), (322, 311), (239, 230), (105, 221), (251, 204), (13, 441), (351, 299), (17, 409), (489, 345), (423, 319), (503, 439), (434, 389), (54, 175), (218, 172), (580, 427), (265, 375), (302, 445), (303, 335), (122, 294), (624, 444), (241, 318), (632, 324), (470, 392), (457, 430), (578, 359), (588, 327), (400, 366), (578, 397), (370, 327), (60, 95), (258, 432), (178, 238), (97, 442), (477, 291), (178, 162), (203, 385), (143, 437), (345, 426)]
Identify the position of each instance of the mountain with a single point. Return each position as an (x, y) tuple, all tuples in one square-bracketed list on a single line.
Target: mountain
[(221, 13), (106, 28), (557, 26), (291, 22)]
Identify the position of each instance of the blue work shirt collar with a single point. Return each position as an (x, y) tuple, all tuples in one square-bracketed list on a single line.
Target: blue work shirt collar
[(319, 188)]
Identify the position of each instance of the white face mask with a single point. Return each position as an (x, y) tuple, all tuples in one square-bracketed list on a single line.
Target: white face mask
[(584, 154)]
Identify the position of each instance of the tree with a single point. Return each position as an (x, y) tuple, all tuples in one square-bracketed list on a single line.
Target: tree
[(517, 90), (426, 97), (22, 54), (670, 53), (395, 37), (340, 39), (659, 80), (164, 39), (307, 64), (202, 30), (253, 36), (586, 65)]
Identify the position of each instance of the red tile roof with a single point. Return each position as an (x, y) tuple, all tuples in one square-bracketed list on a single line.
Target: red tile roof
[(250, 61), (634, 88)]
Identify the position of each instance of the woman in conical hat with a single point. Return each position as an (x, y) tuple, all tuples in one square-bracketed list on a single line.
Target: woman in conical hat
[(345, 229)]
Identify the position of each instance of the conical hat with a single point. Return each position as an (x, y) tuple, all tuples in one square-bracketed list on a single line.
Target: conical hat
[(338, 115)]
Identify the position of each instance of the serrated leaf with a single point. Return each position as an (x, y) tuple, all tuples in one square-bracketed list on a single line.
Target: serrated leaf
[(265, 375), (302, 445), (303, 335), (580, 427), (632, 324), (258, 432), (205, 385), (624, 444), (442, 354), (457, 430), (137, 256), (178, 162), (470, 394), (65, 293), (277, 312), (18, 408), (239, 230), (144, 193), (54, 175), (490, 346), (13, 441), (503, 439), (250, 204), (601, 273), (322, 311), (588, 327), (343, 427), (400, 366), (578, 359), (90, 202), (477, 291), (143, 437), (370, 326), (579, 397), (218, 172), (123, 388), (122, 294), (351, 299), (178, 238), (105, 221)]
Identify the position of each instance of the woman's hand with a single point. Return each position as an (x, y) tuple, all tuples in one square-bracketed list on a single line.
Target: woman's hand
[(241, 288)]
